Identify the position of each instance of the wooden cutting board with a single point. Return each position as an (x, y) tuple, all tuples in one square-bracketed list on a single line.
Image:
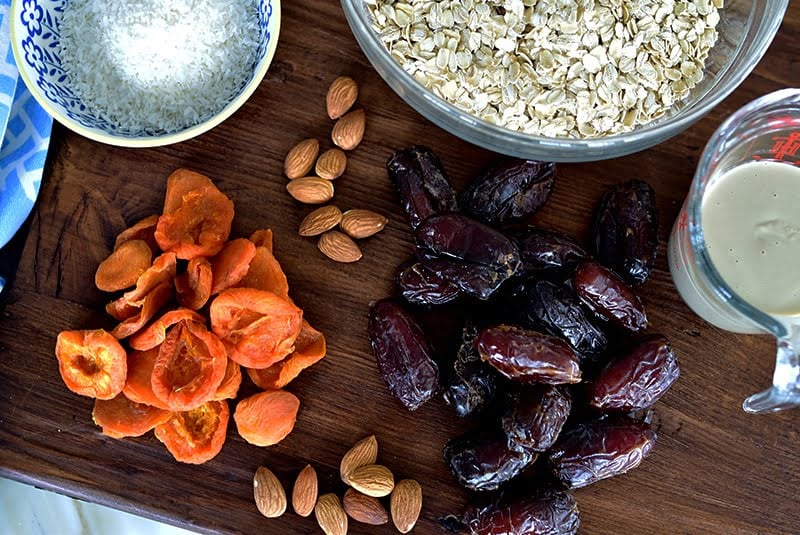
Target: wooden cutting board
[(714, 470)]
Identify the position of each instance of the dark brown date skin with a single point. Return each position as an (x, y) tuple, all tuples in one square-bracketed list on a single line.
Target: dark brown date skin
[(534, 417), (528, 356), (508, 190), (599, 450), (546, 513), (421, 286), (607, 295), (637, 380), (474, 257), (546, 251), (403, 355), (420, 180), (472, 385), (625, 233), (483, 463)]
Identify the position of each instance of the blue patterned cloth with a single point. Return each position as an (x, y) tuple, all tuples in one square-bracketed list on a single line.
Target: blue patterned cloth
[(25, 128)]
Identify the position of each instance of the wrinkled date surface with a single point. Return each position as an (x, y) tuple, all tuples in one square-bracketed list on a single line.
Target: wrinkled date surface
[(625, 234), (472, 385), (422, 183), (638, 379), (547, 513), (421, 286), (403, 355), (609, 296), (535, 416), (528, 356), (509, 189), (474, 257), (484, 463), (547, 251), (601, 449)]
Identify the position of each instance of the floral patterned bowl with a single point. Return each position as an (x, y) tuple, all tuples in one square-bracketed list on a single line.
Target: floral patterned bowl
[(35, 36)]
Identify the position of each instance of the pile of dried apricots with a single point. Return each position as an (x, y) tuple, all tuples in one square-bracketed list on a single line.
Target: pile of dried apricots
[(178, 373)]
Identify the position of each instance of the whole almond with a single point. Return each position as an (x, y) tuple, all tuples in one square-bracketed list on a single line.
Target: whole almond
[(364, 509), (406, 504), (373, 480), (330, 515), (304, 493), (339, 247), (331, 164), (349, 130), (301, 158), (363, 452), (311, 190), (320, 220), (360, 223), (342, 94), (269, 494)]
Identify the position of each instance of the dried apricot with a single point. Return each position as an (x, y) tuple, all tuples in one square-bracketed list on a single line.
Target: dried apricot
[(138, 385), (193, 287), (189, 367), (92, 363), (156, 332), (309, 349), (162, 270), (123, 267), (265, 273), (179, 184), (265, 419), (120, 417), (120, 309), (230, 383), (231, 264), (196, 436), (258, 327), (262, 238), (151, 303), (141, 230)]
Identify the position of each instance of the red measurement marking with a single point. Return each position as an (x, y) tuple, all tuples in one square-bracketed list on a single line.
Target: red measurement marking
[(786, 146)]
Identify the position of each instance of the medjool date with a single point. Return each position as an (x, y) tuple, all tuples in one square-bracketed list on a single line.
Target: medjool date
[(546, 513), (403, 355), (625, 234), (509, 189), (422, 183), (472, 385), (638, 379), (546, 251), (528, 356), (421, 286), (484, 463), (609, 296), (534, 417)]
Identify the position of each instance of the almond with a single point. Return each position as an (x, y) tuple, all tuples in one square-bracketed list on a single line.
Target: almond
[(406, 504), (364, 509), (342, 94), (349, 130), (320, 220), (373, 480), (331, 164), (301, 158), (268, 492), (339, 247), (361, 223), (364, 452), (330, 515), (304, 494), (311, 190)]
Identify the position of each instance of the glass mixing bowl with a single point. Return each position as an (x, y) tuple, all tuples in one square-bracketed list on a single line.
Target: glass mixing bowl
[(746, 29)]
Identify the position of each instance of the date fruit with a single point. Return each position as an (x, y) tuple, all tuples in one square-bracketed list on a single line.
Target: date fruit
[(608, 296), (509, 189), (638, 379), (403, 355), (482, 463), (472, 385), (535, 416), (420, 180), (625, 234), (600, 449), (528, 356), (546, 513), (421, 286), (474, 257), (546, 251)]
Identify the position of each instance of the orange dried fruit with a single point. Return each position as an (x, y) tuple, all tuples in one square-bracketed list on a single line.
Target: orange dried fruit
[(265, 273), (123, 267), (189, 367), (230, 383), (156, 332), (181, 183), (162, 270), (262, 238), (121, 310), (141, 230), (310, 348), (196, 436), (266, 418), (120, 417), (231, 264), (92, 363), (138, 386), (193, 287), (151, 303), (258, 327)]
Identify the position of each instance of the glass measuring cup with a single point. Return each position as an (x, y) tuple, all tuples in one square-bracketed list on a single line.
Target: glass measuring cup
[(767, 129)]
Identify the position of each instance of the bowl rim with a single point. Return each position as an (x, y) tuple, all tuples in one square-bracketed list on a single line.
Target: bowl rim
[(145, 141)]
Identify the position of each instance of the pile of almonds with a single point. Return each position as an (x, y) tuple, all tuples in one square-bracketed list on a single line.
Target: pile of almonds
[(347, 133), (368, 482)]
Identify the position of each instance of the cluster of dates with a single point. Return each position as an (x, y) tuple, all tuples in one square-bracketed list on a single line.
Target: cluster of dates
[(555, 357)]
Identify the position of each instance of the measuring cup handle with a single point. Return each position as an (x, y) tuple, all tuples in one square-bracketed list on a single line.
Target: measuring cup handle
[(785, 390)]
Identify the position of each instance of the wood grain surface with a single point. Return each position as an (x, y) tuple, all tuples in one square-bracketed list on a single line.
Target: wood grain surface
[(714, 470)]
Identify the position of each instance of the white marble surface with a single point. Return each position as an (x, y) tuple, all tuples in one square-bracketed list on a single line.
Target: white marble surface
[(25, 510)]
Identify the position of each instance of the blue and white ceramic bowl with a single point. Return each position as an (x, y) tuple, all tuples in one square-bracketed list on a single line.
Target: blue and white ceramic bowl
[(35, 39)]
